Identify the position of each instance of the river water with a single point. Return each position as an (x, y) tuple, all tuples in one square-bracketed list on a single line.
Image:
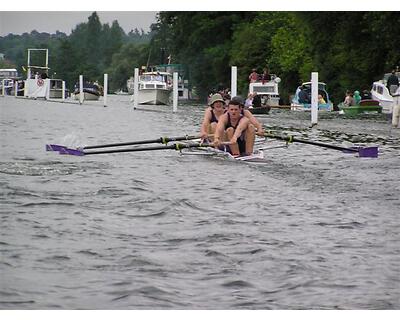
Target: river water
[(313, 228)]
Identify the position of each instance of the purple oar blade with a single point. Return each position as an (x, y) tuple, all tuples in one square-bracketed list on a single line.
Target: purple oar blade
[(54, 147), (72, 152), (368, 152)]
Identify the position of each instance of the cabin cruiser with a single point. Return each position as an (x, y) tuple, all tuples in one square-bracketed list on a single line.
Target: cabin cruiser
[(302, 97), (267, 90), (380, 92), (155, 88), (91, 91)]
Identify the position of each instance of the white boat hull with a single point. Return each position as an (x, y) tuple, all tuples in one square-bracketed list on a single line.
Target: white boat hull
[(154, 96), (87, 96), (381, 93)]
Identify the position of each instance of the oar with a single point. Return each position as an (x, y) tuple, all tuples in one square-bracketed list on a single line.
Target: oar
[(366, 152), (175, 146), (163, 140)]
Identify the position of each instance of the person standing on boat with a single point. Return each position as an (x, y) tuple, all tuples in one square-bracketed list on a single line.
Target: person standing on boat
[(392, 83), (265, 77), (238, 129), (253, 77), (211, 116)]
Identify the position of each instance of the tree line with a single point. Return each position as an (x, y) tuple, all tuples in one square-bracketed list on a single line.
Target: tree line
[(350, 50)]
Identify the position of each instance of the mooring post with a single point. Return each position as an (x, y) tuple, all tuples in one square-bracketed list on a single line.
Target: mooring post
[(175, 92), (396, 109), (233, 81), (314, 98), (81, 89), (105, 89), (63, 91), (135, 88)]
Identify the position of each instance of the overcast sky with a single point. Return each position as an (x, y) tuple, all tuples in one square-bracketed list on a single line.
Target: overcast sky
[(56, 15), (18, 22)]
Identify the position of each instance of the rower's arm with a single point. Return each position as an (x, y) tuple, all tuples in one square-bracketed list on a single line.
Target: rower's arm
[(253, 120), (242, 126), (205, 123), (219, 130)]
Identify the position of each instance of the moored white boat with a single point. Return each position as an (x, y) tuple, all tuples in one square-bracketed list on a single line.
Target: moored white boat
[(380, 92), (155, 88), (91, 91), (302, 98), (267, 90)]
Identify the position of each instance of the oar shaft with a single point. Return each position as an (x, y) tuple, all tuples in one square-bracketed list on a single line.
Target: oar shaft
[(315, 143), (175, 146), (163, 140)]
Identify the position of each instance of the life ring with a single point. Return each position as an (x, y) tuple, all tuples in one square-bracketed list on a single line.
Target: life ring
[(40, 82)]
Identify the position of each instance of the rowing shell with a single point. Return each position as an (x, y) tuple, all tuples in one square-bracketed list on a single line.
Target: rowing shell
[(256, 157)]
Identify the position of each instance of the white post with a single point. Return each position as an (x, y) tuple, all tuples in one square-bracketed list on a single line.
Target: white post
[(81, 89), (233, 81), (2, 88), (63, 91), (105, 89), (396, 109), (175, 92), (135, 88), (46, 84), (29, 73), (15, 88), (314, 98)]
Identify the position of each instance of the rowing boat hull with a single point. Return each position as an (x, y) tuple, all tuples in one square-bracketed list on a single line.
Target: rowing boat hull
[(256, 157)]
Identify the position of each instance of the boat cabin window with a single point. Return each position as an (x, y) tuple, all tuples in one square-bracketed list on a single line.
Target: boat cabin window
[(160, 86), (380, 90), (263, 89), (150, 86)]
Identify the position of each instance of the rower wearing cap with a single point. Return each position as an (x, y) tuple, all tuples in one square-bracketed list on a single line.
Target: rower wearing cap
[(238, 129), (211, 116)]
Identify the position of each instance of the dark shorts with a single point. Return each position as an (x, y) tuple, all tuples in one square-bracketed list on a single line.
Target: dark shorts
[(241, 144)]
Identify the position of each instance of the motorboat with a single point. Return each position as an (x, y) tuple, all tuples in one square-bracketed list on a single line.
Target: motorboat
[(38, 84), (380, 92), (267, 90), (364, 106), (6, 85), (302, 98), (91, 91), (155, 88)]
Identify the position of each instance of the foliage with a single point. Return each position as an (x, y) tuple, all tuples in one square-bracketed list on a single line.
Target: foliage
[(349, 49)]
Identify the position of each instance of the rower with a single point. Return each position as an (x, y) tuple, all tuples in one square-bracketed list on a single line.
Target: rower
[(211, 115), (238, 128)]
